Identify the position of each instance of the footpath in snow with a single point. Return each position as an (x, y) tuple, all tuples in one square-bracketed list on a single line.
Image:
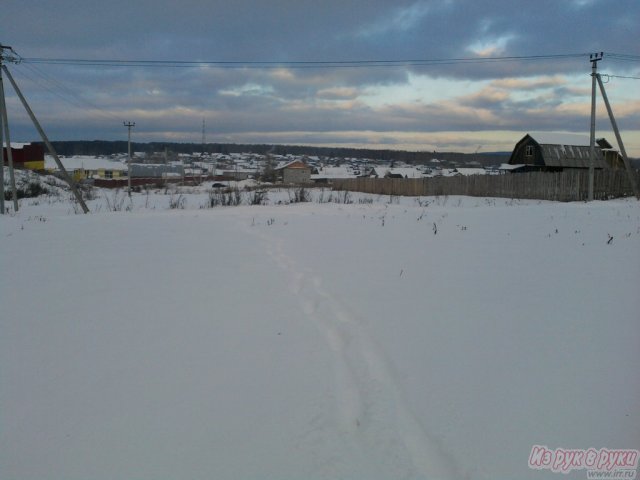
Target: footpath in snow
[(431, 338)]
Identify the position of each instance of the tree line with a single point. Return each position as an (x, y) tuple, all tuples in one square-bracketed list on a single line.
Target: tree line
[(104, 147)]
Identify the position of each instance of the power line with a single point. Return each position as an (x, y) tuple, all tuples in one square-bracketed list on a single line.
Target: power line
[(65, 93), (623, 57), (62, 91), (294, 64)]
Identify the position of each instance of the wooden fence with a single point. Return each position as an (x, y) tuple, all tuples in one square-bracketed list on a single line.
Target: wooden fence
[(141, 181), (561, 186)]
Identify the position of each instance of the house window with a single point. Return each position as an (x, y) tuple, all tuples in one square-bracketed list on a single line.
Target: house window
[(528, 151), (108, 174)]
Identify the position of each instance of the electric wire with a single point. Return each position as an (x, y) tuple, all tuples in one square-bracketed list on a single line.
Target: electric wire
[(330, 64), (622, 57), (61, 91), (71, 93)]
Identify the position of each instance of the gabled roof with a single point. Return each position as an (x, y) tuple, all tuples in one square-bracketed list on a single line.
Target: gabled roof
[(294, 164), (566, 150)]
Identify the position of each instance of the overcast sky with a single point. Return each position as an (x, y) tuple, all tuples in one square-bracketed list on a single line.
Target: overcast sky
[(452, 106)]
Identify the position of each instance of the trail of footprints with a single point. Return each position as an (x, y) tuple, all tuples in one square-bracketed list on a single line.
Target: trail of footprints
[(371, 406)]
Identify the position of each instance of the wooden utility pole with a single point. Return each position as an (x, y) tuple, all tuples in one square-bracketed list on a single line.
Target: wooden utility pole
[(594, 59), (129, 125)]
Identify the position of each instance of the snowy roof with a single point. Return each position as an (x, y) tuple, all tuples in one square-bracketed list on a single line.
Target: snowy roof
[(507, 166), (405, 172), (239, 170), (334, 172), (470, 171), (17, 145), (292, 164), (87, 162)]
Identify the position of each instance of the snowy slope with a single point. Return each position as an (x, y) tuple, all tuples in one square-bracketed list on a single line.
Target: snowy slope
[(374, 340)]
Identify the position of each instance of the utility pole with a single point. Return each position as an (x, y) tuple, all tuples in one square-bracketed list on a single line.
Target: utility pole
[(129, 125), (5, 124), (475, 154), (623, 151), (4, 120), (1, 164), (45, 139), (594, 58), (201, 155), (202, 149)]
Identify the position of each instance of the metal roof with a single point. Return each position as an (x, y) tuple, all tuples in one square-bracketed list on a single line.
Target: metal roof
[(571, 156), (576, 140), (566, 150)]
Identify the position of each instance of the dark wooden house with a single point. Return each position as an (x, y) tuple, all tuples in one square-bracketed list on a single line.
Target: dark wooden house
[(558, 152)]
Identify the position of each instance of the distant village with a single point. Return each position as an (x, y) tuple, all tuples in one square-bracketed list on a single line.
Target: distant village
[(266, 168), (532, 153), (251, 166)]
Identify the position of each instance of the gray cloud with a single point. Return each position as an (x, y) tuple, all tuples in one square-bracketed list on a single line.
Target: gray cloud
[(531, 95)]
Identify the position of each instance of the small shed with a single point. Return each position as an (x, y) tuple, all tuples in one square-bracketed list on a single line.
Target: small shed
[(294, 172), (558, 152)]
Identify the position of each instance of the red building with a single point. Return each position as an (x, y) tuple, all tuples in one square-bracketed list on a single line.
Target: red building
[(29, 156)]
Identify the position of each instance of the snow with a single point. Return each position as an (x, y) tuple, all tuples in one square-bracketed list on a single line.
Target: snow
[(470, 171), (87, 162), (507, 166), (17, 145), (406, 172), (334, 173), (296, 162), (387, 338)]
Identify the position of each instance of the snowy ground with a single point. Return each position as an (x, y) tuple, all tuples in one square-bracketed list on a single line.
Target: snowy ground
[(401, 338)]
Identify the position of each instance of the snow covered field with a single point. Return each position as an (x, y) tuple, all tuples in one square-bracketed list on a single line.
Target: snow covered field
[(389, 338)]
